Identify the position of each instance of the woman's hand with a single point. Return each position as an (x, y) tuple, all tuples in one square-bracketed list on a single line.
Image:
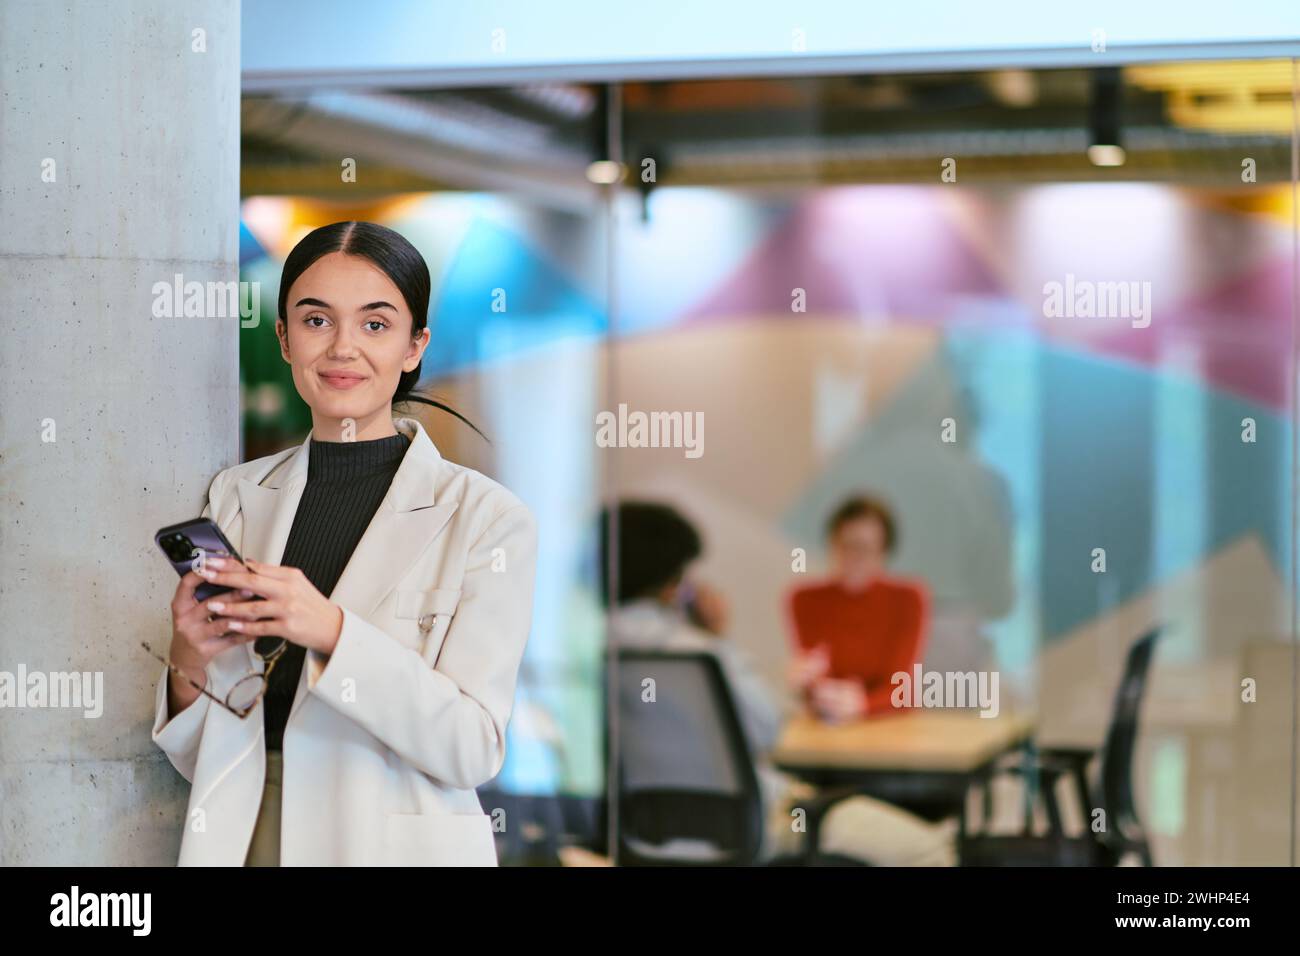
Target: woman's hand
[(710, 610), (809, 666), (198, 635), (195, 638), (836, 701), (293, 608)]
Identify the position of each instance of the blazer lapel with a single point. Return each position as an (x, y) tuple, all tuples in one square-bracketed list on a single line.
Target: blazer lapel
[(268, 508), (408, 519)]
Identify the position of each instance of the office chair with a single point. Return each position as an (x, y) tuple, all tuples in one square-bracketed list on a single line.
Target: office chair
[(688, 793), (1123, 833)]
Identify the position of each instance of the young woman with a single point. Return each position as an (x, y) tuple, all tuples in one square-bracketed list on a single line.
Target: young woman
[(340, 705), (858, 628)]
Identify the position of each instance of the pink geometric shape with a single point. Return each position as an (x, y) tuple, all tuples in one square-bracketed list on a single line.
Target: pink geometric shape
[(883, 252)]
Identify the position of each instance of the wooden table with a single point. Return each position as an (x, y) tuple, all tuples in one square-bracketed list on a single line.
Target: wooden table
[(923, 760)]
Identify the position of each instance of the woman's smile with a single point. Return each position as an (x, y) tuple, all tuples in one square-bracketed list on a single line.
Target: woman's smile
[(342, 380)]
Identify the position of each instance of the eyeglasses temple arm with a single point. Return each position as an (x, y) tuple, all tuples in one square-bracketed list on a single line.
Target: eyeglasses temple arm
[(199, 687)]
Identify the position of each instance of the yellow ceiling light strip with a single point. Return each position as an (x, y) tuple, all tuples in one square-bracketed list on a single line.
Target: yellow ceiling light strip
[(1274, 203), (1240, 96)]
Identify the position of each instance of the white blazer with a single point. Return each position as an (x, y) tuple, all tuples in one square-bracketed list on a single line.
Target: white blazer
[(389, 735)]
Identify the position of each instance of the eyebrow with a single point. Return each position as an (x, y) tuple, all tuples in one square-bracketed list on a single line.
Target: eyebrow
[(369, 307)]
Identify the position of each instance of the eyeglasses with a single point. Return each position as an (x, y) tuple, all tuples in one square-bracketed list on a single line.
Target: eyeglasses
[(248, 690)]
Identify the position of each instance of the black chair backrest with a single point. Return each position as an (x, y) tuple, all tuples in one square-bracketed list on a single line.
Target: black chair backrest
[(1121, 739), (685, 774)]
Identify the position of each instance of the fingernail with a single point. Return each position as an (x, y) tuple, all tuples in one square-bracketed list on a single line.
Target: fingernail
[(206, 573), (216, 606), (244, 592), (236, 625), (217, 562)]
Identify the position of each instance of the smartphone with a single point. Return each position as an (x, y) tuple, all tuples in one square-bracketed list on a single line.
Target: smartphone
[(687, 597), (184, 543)]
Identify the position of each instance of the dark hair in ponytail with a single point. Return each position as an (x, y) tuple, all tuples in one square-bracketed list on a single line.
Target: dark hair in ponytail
[(397, 259)]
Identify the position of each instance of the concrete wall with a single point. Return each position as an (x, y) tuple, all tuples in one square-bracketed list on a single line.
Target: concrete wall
[(143, 132)]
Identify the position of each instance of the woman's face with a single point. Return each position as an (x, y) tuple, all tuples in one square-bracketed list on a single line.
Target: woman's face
[(858, 549), (348, 337)]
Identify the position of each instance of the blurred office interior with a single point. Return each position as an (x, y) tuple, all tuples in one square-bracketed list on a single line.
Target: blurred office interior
[(922, 214)]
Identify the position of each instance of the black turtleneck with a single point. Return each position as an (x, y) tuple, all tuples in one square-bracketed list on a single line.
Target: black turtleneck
[(346, 481)]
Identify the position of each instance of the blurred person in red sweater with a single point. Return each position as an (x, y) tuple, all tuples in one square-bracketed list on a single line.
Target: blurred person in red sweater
[(859, 627)]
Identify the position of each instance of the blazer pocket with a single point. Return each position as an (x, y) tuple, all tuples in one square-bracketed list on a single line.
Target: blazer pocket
[(439, 839), (432, 609)]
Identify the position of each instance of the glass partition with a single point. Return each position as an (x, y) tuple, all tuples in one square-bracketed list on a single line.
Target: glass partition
[(513, 237), (912, 454), (950, 418)]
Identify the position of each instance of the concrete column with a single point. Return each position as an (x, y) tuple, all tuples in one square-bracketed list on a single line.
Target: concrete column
[(119, 169)]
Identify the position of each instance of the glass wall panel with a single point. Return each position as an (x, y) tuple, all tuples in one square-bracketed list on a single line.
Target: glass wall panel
[(490, 187), (950, 419)]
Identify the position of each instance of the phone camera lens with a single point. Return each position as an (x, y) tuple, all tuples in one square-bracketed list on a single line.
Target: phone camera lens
[(179, 547)]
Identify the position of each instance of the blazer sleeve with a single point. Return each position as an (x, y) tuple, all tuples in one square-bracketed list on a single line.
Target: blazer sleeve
[(449, 721), (179, 738)]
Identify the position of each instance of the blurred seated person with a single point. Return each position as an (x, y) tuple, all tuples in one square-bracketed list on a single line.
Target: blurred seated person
[(858, 628), (661, 606)]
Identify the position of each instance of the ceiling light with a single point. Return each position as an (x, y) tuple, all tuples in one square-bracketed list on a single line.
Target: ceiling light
[(605, 172)]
